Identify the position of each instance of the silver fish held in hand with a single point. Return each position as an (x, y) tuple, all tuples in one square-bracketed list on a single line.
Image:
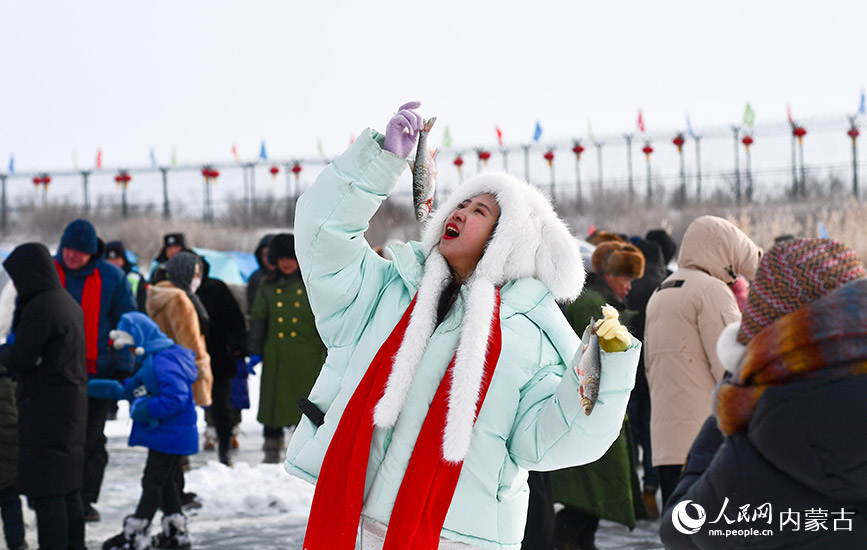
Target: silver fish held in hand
[(424, 175), (589, 371)]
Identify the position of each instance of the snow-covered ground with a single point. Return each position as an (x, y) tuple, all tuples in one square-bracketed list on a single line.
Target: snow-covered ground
[(249, 506)]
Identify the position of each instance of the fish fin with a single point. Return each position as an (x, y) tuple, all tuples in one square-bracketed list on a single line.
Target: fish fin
[(433, 153), (428, 124)]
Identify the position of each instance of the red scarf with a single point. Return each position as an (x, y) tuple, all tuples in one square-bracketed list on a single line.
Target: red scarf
[(429, 482), (90, 302)]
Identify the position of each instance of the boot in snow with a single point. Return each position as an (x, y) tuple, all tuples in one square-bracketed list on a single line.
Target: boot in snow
[(135, 535), (174, 535), (272, 448)]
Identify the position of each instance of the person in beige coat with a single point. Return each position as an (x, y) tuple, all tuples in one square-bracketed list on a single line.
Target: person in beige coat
[(685, 317), (175, 308)]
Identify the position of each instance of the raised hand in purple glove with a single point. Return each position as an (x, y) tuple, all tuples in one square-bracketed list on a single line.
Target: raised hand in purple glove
[(402, 129)]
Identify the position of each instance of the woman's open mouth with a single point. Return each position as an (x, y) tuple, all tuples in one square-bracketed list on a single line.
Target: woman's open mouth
[(451, 231)]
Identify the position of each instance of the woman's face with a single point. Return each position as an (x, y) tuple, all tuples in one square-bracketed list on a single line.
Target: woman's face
[(466, 233)]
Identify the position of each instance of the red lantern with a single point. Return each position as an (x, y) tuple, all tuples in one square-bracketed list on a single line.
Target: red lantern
[(578, 149), (853, 133), (747, 141), (799, 132), (647, 149), (549, 156), (274, 171), (679, 141), (122, 179), (296, 169), (484, 156), (459, 162)]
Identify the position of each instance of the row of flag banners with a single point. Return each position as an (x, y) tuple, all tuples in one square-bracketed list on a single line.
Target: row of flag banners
[(749, 119)]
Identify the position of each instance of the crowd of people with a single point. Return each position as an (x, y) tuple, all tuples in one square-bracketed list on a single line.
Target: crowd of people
[(436, 387), (89, 329)]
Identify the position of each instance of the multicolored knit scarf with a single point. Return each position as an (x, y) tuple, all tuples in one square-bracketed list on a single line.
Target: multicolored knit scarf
[(429, 482), (824, 340)]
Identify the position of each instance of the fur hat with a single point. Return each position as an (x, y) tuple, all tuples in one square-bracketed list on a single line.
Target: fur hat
[(281, 246), (618, 258), (529, 240), (80, 235), (792, 274), (601, 236)]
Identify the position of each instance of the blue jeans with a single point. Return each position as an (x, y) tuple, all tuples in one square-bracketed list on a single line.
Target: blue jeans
[(13, 519), (638, 410)]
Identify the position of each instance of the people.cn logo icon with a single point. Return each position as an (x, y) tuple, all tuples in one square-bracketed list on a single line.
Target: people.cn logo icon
[(682, 520)]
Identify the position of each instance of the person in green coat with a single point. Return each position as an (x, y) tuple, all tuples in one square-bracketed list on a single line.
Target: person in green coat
[(283, 336), (607, 488)]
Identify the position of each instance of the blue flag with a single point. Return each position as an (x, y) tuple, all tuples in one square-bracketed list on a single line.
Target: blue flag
[(537, 133), (262, 154), (863, 108), (153, 158), (689, 127), (11, 164)]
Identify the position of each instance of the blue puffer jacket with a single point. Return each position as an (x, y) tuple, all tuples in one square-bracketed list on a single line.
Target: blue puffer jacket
[(531, 418), (166, 376), (115, 299)]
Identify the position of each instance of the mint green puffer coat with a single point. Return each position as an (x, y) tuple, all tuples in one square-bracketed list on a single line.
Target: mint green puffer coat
[(530, 419)]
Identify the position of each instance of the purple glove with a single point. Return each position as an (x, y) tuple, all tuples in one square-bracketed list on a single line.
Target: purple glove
[(402, 129)]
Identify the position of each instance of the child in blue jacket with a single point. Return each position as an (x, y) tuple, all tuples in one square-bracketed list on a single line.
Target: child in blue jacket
[(164, 421)]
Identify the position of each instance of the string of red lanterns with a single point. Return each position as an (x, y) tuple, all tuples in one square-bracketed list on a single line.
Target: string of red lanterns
[(210, 174), (296, 169), (484, 156), (747, 141), (42, 179), (274, 171), (459, 162), (549, 156), (853, 133), (678, 141), (122, 179)]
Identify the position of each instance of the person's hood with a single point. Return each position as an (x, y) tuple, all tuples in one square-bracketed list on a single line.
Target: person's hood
[(160, 295), (717, 247), (263, 243), (32, 270), (145, 333)]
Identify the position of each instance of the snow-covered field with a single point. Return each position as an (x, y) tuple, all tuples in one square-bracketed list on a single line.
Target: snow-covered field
[(249, 506)]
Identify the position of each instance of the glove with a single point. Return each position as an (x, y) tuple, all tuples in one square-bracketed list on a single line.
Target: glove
[(105, 389), (402, 129), (139, 411), (613, 336), (255, 359)]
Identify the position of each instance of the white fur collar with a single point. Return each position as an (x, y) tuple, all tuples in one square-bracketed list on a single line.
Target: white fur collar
[(729, 351)]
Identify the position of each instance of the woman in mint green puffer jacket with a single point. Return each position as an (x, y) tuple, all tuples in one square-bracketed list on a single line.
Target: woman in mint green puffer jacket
[(529, 417)]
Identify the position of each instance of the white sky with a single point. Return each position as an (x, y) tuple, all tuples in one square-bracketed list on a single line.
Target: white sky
[(200, 75)]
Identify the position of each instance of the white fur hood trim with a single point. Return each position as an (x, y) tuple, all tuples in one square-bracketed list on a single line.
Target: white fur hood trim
[(530, 240), (729, 351)]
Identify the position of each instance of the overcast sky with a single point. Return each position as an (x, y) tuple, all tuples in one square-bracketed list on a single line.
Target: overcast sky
[(201, 75)]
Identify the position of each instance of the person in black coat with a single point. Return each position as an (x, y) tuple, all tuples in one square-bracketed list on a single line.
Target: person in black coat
[(226, 342), (655, 272), (48, 358)]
